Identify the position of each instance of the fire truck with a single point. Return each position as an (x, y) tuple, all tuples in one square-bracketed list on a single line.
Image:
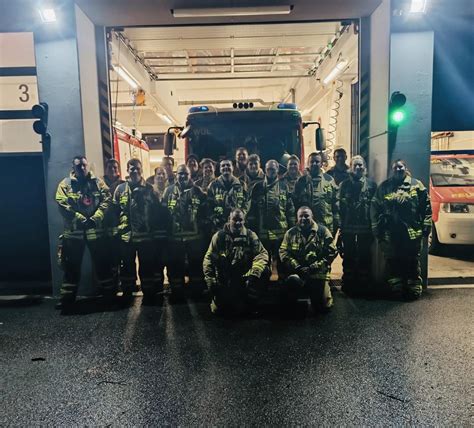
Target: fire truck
[(272, 133)]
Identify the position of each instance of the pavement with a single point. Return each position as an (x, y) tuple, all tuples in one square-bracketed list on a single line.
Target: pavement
[(368, 362)]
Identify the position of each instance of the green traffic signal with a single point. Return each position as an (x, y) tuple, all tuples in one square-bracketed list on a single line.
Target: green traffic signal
[(398, 117)]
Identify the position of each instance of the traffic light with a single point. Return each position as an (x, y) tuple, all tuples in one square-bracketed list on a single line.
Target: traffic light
[(40, 126), (396, 111)]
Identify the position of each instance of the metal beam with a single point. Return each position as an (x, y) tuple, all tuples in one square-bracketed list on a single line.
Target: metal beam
[(270, 56), (182, 79)]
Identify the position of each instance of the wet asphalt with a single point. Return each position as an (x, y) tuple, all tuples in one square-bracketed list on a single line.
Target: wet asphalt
[(373, 363)]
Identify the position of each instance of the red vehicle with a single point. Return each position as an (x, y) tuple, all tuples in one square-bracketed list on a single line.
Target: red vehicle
[(452, 198), (273, 133)]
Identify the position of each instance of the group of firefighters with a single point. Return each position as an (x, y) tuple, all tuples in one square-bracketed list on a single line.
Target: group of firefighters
[(225, 234)]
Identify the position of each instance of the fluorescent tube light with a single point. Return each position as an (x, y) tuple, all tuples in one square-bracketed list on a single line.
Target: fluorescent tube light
[(165, 118), (47, 15), (336, 71), (125, 75), (231, 11), (418, 6)]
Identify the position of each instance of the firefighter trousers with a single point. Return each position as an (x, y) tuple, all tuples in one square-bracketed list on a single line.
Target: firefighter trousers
[(403, 268), (316, 289), (233, 297), (356, 262), (273, 247), (150, 279), (71, 260), (181, 251)]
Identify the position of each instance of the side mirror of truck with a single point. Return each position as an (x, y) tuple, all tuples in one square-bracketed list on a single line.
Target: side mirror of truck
[(319, 138), (170, 141)]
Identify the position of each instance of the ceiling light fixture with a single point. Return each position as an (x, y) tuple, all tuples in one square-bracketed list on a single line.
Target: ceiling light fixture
[(165, 118), (47, 15), (418, 6), (231, 11), (336, 71), (125, 75)]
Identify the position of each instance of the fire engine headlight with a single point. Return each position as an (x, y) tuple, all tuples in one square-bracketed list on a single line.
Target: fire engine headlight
[(455, 208)]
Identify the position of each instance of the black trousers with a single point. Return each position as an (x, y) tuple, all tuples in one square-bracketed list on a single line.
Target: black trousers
[(71, 258), (179, 252), (151, 280), (356, 262)]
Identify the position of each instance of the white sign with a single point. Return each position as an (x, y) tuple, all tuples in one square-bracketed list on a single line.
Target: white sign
[(18, 93)]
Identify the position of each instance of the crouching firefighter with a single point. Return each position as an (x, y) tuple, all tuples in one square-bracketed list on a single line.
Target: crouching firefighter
[(83, 200), (307, 252), (138, 204), (236, 267)]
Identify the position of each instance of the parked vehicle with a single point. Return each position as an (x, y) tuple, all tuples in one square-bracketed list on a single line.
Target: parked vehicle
[(452, 199)]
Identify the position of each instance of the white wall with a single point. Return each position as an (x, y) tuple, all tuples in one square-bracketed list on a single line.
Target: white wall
[(89, 91), (379, 90)]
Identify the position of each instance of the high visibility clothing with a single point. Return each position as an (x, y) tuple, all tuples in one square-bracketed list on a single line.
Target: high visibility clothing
[(223, 197), (140, 216), (401, 210), (321, 195), (80, 200), (307, 259), (232, 255), (187, 207), (290, 182), (251, 181), (355, 196), (339, 175), (272, 211), (401, 216)]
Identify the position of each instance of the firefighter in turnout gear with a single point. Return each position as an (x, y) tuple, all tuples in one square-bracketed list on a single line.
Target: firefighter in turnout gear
[(236, 266), (355, 196), (272, 211), (208, 174), (241, 160), (138, 206), (253, 174), (292, 174), (224, 194), (83, 202), (340, 171), (318, 191), (401, 217), (307, 252), (186, 204), (111, 220)]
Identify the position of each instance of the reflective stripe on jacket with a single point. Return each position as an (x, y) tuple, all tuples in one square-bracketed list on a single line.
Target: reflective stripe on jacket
[(316, 251), (401, 210), (79, 200), (355, 197), (231, 255), (272, 211), (321, 195)]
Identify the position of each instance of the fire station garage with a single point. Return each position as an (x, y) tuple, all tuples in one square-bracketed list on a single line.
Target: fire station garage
[(283, 81), (159, 75)]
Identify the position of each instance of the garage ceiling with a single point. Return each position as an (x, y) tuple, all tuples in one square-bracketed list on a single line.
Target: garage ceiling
[(233, 51)]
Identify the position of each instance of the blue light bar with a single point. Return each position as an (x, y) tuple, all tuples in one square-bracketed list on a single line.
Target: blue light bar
[(289, 106), (197, 109)]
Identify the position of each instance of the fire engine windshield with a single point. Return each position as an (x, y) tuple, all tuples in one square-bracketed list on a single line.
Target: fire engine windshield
[(271, 134), (449, 172)]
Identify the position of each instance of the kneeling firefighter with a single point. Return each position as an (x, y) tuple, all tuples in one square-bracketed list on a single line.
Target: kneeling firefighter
[(307, 252), (236, 266)]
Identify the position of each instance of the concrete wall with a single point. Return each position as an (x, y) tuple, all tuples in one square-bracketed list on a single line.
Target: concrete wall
[(379, 90), (89, 89), (411, 72)]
